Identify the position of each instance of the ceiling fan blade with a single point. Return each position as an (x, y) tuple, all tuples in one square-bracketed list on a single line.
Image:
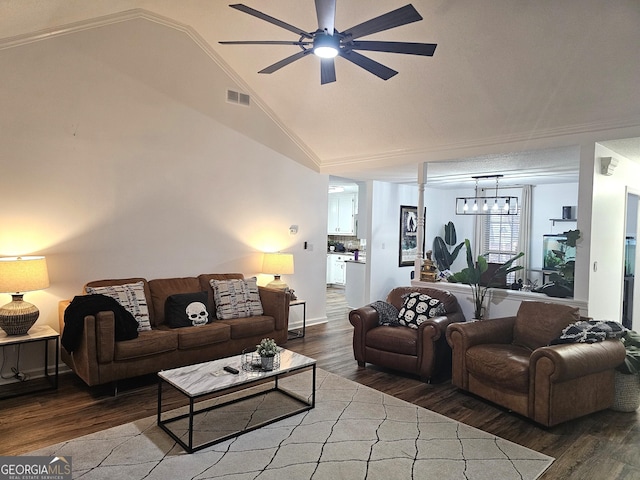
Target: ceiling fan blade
[(270, 19), (395, 18), (284, 62), (327, 70), (372, 66), (266, 42), (326, 11), (426, 49)]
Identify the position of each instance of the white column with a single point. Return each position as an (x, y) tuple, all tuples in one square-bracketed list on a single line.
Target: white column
[(422, 180)]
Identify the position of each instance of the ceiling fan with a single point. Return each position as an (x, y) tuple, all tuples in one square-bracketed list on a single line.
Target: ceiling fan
[(327, 42)]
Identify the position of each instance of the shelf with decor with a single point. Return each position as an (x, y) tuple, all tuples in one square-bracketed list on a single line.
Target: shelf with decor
[(555, 220)]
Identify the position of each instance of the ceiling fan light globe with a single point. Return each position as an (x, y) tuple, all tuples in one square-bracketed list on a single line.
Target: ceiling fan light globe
[(325, 45), (325, 52)]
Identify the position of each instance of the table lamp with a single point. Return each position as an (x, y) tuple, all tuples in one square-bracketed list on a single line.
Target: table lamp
[(277, 264), (19, 275)]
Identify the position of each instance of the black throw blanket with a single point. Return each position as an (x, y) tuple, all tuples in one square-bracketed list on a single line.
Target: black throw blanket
[(126, 325)]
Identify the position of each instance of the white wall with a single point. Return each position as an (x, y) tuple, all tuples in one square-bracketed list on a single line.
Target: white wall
[(111, 178), (607, 235), (384, 238)]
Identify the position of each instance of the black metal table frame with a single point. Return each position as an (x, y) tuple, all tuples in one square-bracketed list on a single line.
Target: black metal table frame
[(53, 382), (292, 334), (190, 448)]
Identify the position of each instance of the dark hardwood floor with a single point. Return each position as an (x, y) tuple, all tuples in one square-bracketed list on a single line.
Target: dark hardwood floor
[(605, 445)]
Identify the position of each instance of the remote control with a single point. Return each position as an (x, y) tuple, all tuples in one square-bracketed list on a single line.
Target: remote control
[(231, 370)]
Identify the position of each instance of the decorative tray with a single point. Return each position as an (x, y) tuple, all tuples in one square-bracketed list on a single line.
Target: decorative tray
[(252, 362)]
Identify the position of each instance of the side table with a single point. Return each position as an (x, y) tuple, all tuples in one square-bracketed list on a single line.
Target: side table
[(293, 334), (39, 333)]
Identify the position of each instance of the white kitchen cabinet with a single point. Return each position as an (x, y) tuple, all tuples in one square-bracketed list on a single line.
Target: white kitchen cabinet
[(336, 268), (341, 218)]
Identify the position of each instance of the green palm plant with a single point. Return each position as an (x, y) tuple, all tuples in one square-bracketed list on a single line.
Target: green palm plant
[(474, 271), (443, 254), (631, 365)]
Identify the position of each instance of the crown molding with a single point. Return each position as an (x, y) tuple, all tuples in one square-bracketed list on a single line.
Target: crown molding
[(571, 135)]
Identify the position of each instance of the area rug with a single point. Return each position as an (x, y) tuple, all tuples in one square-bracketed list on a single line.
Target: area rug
[(354, 432)]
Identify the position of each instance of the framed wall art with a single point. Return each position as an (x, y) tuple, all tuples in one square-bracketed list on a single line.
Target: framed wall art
[(408, 236)]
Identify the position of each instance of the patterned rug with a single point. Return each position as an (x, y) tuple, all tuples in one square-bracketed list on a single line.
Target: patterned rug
[(354, 432)]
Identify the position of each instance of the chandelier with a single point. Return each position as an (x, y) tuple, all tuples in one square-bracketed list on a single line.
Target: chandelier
[(487, 205)]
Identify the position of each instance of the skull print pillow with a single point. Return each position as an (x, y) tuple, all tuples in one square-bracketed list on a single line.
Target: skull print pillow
[(417, 308), (186, 310)]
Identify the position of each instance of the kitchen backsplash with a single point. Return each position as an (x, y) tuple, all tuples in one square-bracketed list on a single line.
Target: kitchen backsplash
[(350, 243)]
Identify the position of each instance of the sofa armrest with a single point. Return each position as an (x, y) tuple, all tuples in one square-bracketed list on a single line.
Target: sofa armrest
[(434, 328), (468, 334), (275, 303), (572, 360), (462, 336), (363, 319)]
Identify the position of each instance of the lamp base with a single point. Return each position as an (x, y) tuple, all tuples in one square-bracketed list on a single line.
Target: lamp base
[(277, 283), (18, 316)]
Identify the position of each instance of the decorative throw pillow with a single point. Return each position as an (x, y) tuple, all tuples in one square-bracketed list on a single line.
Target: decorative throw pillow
[(387, 313), (417, 308), (590, 331), (130, 296), (186, 310), (236, 298)]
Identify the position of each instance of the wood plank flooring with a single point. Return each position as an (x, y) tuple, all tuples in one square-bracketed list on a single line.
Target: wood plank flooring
[(605, 445)]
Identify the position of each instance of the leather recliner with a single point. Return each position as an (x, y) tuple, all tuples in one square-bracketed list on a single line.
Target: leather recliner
[(509, 361), (423, 351)]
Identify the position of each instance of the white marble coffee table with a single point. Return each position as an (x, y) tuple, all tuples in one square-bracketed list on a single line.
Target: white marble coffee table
[(232, 404)]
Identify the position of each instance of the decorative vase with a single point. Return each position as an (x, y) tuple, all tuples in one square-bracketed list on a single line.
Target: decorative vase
[(267, 363), (627, 392)]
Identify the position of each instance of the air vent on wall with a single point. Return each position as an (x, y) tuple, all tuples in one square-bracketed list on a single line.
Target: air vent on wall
[(238, 98)]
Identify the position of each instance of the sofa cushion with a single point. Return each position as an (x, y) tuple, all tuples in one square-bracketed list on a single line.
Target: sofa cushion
[(205, 284), (419, 307), (393, 339), (504, 365), (250, 326), (538, 323), (162, 288), (186, 310), (236, 298), (131, 296), (195, 337), (150, 342)]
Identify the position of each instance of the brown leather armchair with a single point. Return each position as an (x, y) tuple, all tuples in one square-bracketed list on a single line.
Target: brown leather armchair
[(509, 362), (423, 351)]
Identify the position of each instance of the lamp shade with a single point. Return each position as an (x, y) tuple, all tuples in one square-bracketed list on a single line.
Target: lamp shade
[(278, 263), (23, 274)]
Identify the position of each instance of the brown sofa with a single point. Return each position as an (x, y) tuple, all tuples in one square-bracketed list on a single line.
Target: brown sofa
[(423, 351), (100, 359), (509, 361)]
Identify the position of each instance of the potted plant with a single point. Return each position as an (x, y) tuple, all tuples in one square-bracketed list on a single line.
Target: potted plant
[(472, 274), (267, 349), (627, 378), (443, 254)]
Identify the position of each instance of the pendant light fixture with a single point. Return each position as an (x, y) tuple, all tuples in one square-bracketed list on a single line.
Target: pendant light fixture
[(491, 205)]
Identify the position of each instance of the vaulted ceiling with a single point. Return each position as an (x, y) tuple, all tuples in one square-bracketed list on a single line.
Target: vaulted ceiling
[(508, 77)]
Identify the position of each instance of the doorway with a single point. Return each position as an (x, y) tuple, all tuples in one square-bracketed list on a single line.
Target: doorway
[(631, 289)]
